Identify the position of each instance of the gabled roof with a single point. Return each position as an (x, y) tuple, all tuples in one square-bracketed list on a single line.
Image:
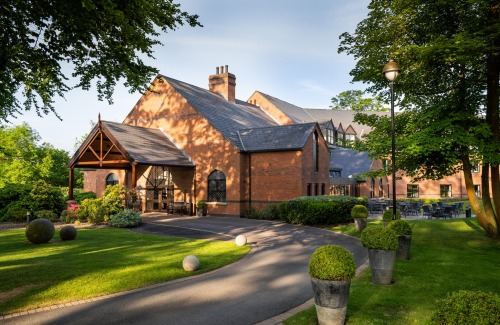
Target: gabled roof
[(276, 138), (295, 113), (227, 117), (116, 145), (344, 117), (351, 162)]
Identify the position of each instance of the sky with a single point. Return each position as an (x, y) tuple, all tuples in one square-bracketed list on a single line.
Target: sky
[(284, 48)]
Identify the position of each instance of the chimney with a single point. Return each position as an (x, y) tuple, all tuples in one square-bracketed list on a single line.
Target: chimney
[(224, 83)]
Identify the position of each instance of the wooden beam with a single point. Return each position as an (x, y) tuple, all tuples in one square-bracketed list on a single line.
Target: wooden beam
[(134, 176), (71, 183)]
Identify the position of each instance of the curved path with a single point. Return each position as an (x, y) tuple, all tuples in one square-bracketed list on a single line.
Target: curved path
[(269, 281)]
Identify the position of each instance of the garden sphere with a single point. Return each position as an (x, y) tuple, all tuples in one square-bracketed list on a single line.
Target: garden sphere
[(40, 231), (240, 240), (190, 263)]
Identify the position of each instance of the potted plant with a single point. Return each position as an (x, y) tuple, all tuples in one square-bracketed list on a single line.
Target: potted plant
[(200, 208), (387, 216), (382, 244), (331, 268), (403, 230), (360, 213)]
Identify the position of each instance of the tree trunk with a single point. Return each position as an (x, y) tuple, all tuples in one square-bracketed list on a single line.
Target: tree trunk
[(486, 217)]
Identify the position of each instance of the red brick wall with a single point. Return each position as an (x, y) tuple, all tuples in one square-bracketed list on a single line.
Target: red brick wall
[(269, 108)]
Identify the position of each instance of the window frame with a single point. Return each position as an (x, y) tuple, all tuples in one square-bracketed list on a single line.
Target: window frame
[(216, 187), (410, 191)]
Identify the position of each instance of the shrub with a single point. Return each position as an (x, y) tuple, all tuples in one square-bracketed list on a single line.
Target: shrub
[(15, 212), (379, 237), (47, 214), (93, 211), (40, 231), (126, 219), (318, 210), (43, 196), (79, 196), (401, 227), (113, 199), (387, 216), (200, 204), (270, 212), (332, 262), (468, 307), (359, 211), (67, 233), (252, 213)]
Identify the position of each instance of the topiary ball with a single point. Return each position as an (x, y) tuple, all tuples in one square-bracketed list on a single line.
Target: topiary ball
[(387, 216), (40, 231), (379, 237), (67, 233), (333, 263), (359, 211), (467, 307), (401, 227)]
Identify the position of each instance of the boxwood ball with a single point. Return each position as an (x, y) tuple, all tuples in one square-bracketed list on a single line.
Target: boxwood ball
[(40, 231), (240, 240), (67, 233), (190, 263)]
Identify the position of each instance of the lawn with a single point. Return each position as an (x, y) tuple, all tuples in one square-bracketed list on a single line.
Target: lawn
[(98, 262), (446, 256)]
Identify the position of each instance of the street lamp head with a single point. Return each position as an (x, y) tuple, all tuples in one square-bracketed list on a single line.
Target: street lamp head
[(391, 70)]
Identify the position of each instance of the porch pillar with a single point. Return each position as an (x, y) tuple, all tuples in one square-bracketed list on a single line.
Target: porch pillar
[(71, 183), (134, 177)]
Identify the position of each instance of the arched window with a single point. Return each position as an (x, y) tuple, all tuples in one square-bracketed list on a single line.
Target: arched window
[(217, 187), (372, 188), (315, 152), (112, 179)]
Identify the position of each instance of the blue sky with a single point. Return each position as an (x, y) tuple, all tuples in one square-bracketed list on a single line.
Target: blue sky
[(285, 48)]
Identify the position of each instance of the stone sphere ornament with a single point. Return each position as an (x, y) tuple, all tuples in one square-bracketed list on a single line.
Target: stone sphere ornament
[(190, 263), (67, 233), (240, 240), (40, 231)]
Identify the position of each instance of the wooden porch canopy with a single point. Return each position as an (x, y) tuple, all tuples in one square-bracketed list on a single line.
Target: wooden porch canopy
[(120, 146)]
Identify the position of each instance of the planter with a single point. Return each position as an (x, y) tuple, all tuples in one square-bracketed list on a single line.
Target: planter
[(330, 298), (382, 265), (199, 211), (403, 252), (360, 224)]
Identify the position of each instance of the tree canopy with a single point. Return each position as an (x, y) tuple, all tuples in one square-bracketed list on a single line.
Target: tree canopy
[(448, 91), (354, 100), (23, 160), (98, 41)]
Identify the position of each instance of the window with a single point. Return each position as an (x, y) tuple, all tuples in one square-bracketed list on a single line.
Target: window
[(329, 137), (412, 190), (308, 190), (350, 137), (315, 151), (477, 190), (445, 190), (380, 188), (112, 179), (217, 187), (323, 192), (335, 173), (316, 192), (372, 188), (475, 168)]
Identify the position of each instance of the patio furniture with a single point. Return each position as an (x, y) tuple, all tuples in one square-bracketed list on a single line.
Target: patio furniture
[(413, 208), (427, 212)]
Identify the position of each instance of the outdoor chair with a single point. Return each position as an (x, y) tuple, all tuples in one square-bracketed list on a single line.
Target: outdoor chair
[(413, 209), (445, 212), (426, 212)]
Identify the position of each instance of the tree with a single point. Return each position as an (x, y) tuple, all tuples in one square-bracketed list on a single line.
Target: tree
[(23, 160), (100, 41), (449, 89), (353, 100)]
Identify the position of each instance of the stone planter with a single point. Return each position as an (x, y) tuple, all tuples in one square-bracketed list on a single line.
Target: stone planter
[(403, 252), (381, 265), (360, 224), (199, 211), (330, 298)]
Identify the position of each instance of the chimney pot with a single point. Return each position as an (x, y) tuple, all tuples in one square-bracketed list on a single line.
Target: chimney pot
[(217, 70), (221, 69), (227, 68)]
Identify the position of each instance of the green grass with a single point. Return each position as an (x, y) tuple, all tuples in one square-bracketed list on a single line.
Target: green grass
[(98, 262), (446, 256)]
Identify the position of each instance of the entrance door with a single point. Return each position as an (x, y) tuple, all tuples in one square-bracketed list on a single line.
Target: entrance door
[(160, 189)]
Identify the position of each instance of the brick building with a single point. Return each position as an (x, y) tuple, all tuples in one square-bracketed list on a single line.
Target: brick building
[(183, 143)]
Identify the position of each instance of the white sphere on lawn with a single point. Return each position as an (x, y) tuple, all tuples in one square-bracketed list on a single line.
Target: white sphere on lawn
[(240, 240), (190, 263)]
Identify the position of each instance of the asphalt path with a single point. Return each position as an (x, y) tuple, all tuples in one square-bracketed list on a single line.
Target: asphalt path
[(269, 281)]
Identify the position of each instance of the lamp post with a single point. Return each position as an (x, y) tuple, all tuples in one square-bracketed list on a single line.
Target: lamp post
[(391, 71)]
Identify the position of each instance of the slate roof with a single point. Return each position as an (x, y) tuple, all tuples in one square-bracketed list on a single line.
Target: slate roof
[(227, 117), (341, 117), (351, 162), (295, 113), (139, 145), (277, 138), (147, 146)]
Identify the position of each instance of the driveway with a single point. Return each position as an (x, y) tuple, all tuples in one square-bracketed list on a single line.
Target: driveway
[(269, 281)]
